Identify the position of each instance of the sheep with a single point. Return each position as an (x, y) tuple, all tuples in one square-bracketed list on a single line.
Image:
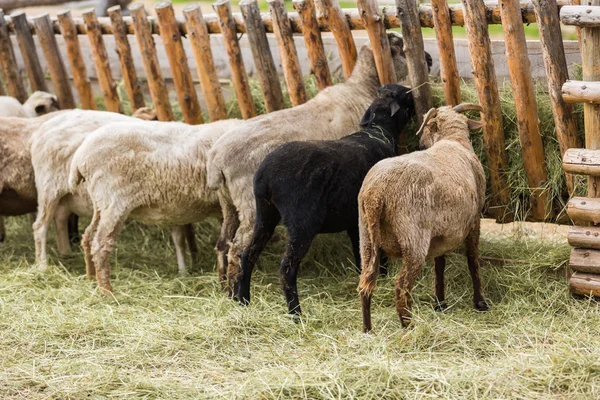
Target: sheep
[(235, 157), (313, 187), (423, 205), (152, 172)]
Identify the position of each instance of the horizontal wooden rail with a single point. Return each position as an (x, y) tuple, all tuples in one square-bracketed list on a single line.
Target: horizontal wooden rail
[(584, 209), (584, 236), (353, 16), (581, 16), (582, 162), (581, 92), (585, 260), (585, 284)]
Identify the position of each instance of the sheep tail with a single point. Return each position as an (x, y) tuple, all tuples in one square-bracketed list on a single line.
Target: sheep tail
[(369, 219), (75, 177)]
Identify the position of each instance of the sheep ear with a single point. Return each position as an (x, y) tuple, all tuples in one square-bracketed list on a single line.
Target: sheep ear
[(366, 118), (395, 107), (473, 124)]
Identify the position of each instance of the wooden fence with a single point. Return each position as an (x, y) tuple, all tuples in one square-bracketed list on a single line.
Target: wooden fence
[(310, 20)]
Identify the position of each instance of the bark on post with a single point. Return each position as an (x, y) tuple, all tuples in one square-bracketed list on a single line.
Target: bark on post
[(156, 83), (313, 42), (78, 68), (369, 11), (132, 85), (584, 209), (287, 52), (446, 53), (333, 14), (105, 79), (418, 71), (263, 59), (532, 147), (56, 66), (29, 52), (180, 71), (556, 75), (207, 74), (8, 64), (236, 62), (487, 90)]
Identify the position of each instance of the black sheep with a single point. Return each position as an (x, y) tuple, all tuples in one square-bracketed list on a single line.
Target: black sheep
[(313, 186)]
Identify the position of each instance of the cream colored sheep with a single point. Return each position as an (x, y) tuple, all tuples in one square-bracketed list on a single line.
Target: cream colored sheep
[(153, 172), (422, 205), (233, 160)]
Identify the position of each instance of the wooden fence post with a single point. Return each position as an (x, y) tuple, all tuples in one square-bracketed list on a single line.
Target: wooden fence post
[(156, 83), (313, 42), (29, 52), (332, 13), (209, 81), (56, 66), (487, 90), (556, 74), (526, 106), (132, 85), (446, 53), (263, 59), (418, 71), (180, 71), (369, 12), (78, 68), (8, 64), (287, 51), (236, 62)]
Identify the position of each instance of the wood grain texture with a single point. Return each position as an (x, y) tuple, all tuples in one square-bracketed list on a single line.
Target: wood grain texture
[(22, 30), (587, 237), (585, 284), (584, 209), (369, 11), (338, 24), (582, 162), (447, 55), (8, 64), (581, 92), (585, 16)]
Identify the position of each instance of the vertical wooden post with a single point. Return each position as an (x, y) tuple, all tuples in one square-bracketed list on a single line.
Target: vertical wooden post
[(313, 42), (418, 70), (56, 66), (487, 90), (369, 12), (8, 64), (78, 68), (209, 81), (446, 54), (156, 83), (132, 85), (546, 12), (236, 62), (526, 106), (180, 71), (332, 13), (29, 52), (2, 92), (287, 52)]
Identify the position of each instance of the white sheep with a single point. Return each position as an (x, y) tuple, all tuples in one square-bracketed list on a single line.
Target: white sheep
[(422, 205), (234, 159), (153, 172)]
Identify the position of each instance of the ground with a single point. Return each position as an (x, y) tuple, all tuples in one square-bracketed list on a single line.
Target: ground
[(162, 336)]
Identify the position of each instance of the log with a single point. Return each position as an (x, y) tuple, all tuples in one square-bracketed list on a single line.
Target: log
[(446, 53), (487, 90), (263, 59), (556, 75), (105, 79), (526, 106), (585, 260), (582, 162), (584, 284), (132, 85), (180, 71), (56, 66), (581, 92), (587, 237), (75, 57), (369, 10), (156, 83), (418, 71), (338, 24), (290, 64), (581, 16), (205, 65), (236, 62), (8, 64), (29, 53), (584, 209)]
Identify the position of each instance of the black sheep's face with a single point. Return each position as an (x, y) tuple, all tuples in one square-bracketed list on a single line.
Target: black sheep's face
[(393, 101)]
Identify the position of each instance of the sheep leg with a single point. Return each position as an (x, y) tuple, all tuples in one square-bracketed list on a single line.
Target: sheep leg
[(178, 234), (86, 243), (109, 227), (190, 237), (296, 249), (73, 229), (46, 210), (229, 226), (440, 297), (412, 264), (2, 230), (370, 253), (235, 252), (61, 221), (472, 247), (353, 234), (267, 218)]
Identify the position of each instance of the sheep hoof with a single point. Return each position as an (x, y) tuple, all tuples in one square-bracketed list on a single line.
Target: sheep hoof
[(440, 306), (481, 306)]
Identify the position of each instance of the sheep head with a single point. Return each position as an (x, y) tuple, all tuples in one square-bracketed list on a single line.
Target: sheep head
[(447, 123), (42, 103)]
